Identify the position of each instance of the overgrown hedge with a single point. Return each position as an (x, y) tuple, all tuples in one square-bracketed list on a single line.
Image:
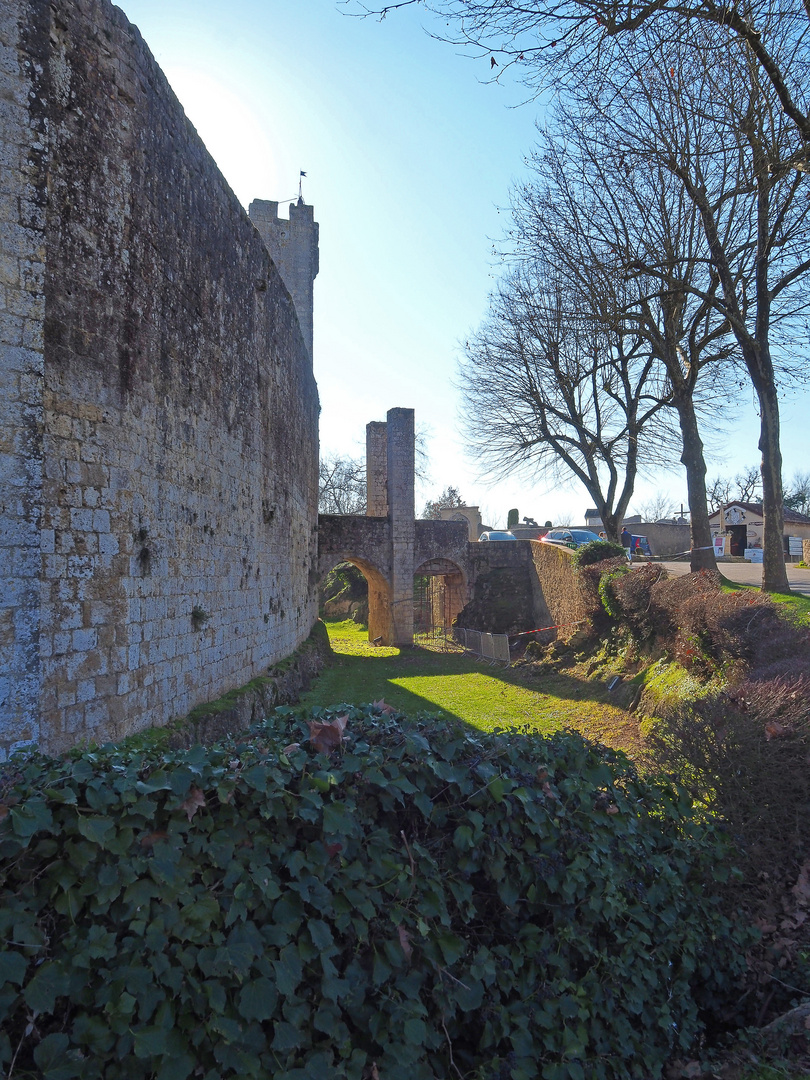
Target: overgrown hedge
[(430, 899)]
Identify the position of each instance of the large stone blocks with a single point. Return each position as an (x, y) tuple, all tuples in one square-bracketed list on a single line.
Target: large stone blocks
[(159, 452)]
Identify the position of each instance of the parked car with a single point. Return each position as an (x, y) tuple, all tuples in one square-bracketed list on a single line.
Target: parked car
[(640, 545), (497, 534), (573, 538)]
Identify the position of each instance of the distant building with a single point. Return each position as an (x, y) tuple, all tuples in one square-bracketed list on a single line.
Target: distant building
[(742, 523), (594, 521), (470, 514)]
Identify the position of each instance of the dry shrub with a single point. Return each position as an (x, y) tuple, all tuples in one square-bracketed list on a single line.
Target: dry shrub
[(633, 594), (745, 752), (670, 594), (722, 627), (590, 577)]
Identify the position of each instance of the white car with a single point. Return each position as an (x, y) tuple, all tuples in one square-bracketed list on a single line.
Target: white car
[(572, 538), (496, 534)]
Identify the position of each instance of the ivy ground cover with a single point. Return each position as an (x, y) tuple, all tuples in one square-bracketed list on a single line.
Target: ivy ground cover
[(354, 896)]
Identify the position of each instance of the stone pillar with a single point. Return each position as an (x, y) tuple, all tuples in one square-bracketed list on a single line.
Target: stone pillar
[(400, 453), (24, 91), (376, 469), (293, 247)]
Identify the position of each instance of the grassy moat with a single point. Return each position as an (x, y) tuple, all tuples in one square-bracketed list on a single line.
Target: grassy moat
[(449, 682)]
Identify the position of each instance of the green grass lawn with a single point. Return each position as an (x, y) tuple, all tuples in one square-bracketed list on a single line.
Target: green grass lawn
[(461, 687)]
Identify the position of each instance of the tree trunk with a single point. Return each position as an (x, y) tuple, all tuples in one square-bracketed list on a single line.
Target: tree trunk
[(612, 525), (774, 574), (702, 556)]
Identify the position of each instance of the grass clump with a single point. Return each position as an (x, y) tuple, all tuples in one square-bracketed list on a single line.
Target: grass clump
[(429, 901)]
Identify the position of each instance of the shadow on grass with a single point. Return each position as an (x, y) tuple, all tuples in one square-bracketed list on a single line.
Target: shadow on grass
[(357, 679)]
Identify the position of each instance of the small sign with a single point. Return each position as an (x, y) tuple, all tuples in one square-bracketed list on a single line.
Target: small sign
[(719, 547), (795, 546), (753, 554)]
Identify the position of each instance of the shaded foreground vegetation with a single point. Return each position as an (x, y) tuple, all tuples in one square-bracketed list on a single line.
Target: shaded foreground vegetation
[(429, 901)]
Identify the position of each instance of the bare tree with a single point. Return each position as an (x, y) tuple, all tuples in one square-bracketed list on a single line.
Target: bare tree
[(658, 507), (718, 492), (636, 225), (548, 389), (719, 131), (562, 42), (746, 486), (797, 495), (341, 485)]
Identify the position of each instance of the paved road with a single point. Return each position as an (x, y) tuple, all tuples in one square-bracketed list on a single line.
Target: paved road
[(750, 574)]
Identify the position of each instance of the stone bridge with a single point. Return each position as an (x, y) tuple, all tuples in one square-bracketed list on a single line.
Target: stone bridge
[(389, 546)]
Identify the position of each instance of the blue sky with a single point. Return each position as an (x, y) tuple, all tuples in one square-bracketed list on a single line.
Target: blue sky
[(410, 155)]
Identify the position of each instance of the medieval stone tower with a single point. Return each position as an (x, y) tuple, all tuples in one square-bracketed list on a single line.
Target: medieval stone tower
[(390, 494), (293, 247)]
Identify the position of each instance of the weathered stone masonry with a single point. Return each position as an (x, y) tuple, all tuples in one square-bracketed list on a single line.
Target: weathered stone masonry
[(159, 413)]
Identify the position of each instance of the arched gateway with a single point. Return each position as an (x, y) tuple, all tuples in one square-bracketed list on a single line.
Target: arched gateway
[(389, 546)]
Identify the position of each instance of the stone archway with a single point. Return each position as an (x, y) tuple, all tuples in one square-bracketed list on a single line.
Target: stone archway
[(379, 594), (446, 593), (387, 543)]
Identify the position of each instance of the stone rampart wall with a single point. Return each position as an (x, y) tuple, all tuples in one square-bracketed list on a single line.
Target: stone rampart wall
[(23, 186), (557, 586), (163, 457)]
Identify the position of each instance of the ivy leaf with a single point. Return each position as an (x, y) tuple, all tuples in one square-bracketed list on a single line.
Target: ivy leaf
[(95, 828), (49, 983), (149, 1042), (415, 1031), (12, 967), (194, 801), (257, 1000), (50, 1051)]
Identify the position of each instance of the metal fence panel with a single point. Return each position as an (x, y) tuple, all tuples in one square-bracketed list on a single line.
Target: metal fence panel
[(501, 647), (492, 647)]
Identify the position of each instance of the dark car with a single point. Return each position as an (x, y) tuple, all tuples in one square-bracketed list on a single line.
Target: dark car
[(497, 534), (640, 545)]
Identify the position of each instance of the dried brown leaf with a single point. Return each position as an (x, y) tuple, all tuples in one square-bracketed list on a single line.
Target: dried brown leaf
[(388, 710), (801, 890), (194, 801), (326, 738), (775, 730), (153, 838), (405, 942)]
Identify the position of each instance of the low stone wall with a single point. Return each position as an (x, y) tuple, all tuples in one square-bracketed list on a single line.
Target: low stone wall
[(237, 710), (557, 587), (664, 539), (806, 551), (523, 585)]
